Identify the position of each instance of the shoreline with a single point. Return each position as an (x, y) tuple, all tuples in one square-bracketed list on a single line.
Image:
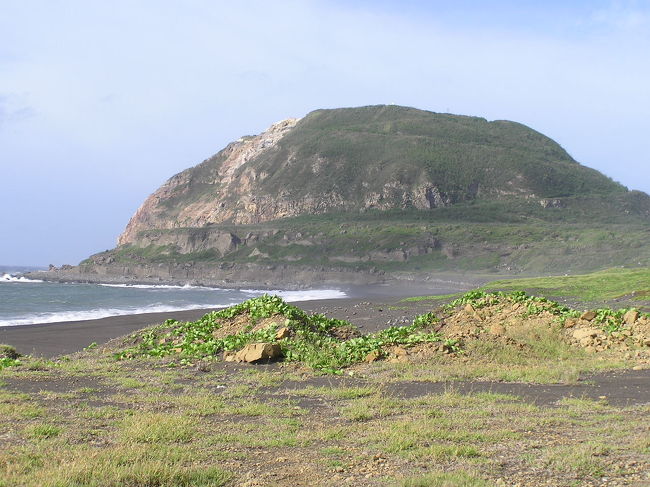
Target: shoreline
[(369, 307)]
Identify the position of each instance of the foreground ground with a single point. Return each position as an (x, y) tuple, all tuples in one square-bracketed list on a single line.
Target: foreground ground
[(522, 406)]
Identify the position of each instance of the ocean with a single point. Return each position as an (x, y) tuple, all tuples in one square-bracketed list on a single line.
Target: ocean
[(25, 302)]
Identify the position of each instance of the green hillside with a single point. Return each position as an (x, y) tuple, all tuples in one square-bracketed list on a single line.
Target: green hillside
[(365, 148), (386, 190)]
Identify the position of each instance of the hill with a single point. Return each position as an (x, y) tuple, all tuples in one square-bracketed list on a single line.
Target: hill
[(358, 159), (344, 194)]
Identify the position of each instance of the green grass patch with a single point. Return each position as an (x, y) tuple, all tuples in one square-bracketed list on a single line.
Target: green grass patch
[(43, 431), (598, 286), (144, 427)]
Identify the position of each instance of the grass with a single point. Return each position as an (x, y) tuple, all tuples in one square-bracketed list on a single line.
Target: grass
[(43, 431), (598, 286), (211, 424), (198, 437), (445, 479), (601, 286), (145, 427)]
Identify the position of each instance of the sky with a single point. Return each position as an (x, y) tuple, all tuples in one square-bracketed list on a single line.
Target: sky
[(101, 102)]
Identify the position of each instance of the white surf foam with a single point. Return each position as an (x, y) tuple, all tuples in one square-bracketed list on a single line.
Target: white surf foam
[(94, 314), (12, 278), (159, 286), (305, 295)]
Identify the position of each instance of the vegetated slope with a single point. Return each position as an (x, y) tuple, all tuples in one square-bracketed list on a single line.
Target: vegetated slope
[(356, 159), (379, 190)]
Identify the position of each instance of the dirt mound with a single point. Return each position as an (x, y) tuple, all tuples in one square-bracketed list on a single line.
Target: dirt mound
[(516, 319)]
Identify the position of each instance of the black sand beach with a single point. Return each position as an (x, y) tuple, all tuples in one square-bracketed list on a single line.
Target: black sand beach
[(52, 339)]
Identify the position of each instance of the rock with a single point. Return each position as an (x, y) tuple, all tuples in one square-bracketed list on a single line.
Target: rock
[(588, 315), (228, 356), (497, 329), (400, 351), (372, 356), (570, 322), (254, 352), (586, 342), (582, 333), (257, 253), (637, 367), (283, 333), (469, 308), (630, 317)]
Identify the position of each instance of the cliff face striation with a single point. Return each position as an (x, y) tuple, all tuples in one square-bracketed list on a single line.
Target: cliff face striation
[(380, 192)]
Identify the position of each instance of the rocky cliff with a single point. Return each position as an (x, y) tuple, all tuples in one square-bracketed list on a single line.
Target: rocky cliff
[(369, 158), (199, 193)]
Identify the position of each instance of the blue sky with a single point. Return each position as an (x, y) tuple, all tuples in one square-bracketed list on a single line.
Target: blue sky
[(101, 102)]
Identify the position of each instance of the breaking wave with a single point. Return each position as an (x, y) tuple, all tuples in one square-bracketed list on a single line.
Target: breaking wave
[(232, 297), (94, 314), (16, 278)]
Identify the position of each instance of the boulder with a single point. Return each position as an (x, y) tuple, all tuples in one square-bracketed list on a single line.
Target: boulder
[(254, 352)]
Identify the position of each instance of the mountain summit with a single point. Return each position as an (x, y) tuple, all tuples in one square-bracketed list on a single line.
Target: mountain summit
[(369, 158)]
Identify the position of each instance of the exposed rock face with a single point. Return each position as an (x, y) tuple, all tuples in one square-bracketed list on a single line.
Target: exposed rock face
[(197, 240), (226, 182)]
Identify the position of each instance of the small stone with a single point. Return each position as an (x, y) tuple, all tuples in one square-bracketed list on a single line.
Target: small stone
[(586, 342), (588, 315), (582, 333), (630, 317), (400, 351), (283, 333), (497, 330), (228, 356), (372, 356), (637, 367), (570, 322)]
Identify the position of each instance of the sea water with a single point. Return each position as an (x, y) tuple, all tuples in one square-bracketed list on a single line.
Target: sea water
[(24, 301)]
